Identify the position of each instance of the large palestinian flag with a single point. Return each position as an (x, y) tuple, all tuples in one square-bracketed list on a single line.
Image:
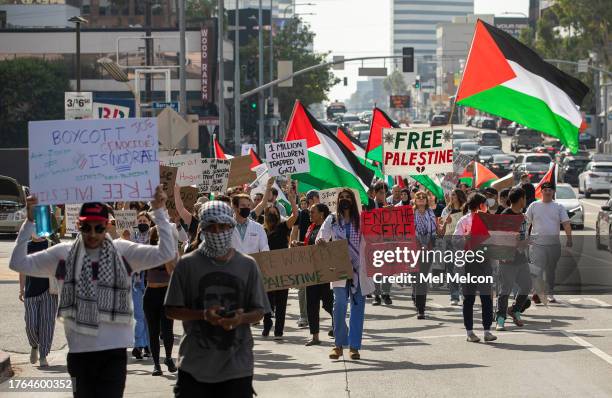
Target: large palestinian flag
[(380, 121), (497, 232), (550, 176), (332, 164), (508, 79)]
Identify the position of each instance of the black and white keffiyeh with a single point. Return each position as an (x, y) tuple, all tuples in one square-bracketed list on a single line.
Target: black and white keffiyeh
[(216, 244), (100, 294)]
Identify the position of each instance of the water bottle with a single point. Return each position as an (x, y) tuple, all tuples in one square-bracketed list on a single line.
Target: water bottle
[(42, 219)]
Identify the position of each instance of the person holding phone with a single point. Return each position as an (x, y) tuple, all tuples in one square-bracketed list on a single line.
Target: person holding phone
[(218, 293)]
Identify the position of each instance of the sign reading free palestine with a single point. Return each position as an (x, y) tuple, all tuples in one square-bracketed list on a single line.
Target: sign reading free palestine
[(410, 151)]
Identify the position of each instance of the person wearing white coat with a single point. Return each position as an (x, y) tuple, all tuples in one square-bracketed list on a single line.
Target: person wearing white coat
[(249, 236), (345, 225)]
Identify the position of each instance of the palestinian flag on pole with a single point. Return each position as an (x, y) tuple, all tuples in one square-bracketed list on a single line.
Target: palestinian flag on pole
[(467, 177), (380, 121), (550, 176), (483, 177), (355, 146), (255, 160), (332, 164), (428, 183), (218, 152), (497, 233), (508, 79)]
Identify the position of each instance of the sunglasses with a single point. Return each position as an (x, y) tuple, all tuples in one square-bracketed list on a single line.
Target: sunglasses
[(86, 228)]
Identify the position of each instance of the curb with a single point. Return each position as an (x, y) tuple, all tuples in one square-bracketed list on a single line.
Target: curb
[(6, 370)]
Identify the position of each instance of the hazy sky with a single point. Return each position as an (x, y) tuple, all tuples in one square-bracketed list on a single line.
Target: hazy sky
[(356, 28)]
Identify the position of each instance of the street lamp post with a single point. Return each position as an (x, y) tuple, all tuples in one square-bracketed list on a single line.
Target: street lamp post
[(78, 20)]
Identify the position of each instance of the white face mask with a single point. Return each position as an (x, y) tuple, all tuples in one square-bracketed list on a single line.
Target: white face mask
[(490, 202)]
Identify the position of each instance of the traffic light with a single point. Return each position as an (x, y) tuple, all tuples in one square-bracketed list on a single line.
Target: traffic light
[(417, 84), (346, 81), (408, 59)]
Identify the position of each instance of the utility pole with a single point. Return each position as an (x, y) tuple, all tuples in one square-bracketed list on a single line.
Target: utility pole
[(182, 54), (237, 80), (148, 51), (221, 99), (261, 80), (271, 70)]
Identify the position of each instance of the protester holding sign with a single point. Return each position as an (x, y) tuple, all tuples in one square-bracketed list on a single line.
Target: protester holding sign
[(383, 288), (141, 334), (476, 202), (98, 330), (277, 232), (426, 231), (344, 225)]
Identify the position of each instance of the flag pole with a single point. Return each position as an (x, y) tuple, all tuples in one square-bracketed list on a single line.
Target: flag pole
[(291, 119)]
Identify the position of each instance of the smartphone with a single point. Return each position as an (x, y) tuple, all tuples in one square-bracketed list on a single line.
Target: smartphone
[(226, 314)]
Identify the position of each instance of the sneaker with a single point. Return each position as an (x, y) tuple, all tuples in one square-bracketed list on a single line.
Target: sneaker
[(354, 354), (335, 353), (43, 362), (387, 299), (302, 323), (489, 336), (330, 333), (157, 371), (500, 324), (454, 302), (170, 364), (516, 318), (421, 315), (146, 352), (136, 353), (313, 342), (551, 299), (376, 300), (536, 299), (33, 355), (472, 338)]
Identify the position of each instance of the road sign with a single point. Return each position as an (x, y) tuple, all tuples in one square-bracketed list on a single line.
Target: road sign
[(162, 105), (78, 105), (340, 65), (373, 72), (583, 65)]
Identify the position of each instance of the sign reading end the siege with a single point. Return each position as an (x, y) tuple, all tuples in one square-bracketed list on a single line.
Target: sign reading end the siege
[(411, 151)]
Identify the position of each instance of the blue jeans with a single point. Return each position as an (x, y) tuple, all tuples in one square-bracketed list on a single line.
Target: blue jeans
[(348, 336), (455, 290), (141, 334)]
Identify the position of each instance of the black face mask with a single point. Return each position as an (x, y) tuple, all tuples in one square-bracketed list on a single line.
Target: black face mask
[(143, 227), (245, 212), (344, 204), (272, 218)]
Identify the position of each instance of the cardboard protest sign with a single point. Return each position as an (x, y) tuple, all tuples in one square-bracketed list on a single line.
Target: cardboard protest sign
[(240, 171), (189, 168), (460, 162), (410, 151), (385, 230), (215, 174), (286, 158), (329, 197), (125, 220), (189, 196), (72, 216), (449, 182), (172, 128), (304, 265), (93, 160)]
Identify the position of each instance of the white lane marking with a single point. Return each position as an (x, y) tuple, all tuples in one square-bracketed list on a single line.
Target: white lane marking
[(588, 346), (514, 332)]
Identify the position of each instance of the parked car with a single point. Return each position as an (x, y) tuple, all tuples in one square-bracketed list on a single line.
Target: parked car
[(566, 197), (533, 158), (501, 164), (438, 120), (502, 124), (596, 178), (468, 148), (485, 153), (525, 139), (535, 171), (12, 205), (571, 167), (603, 227), (511, 129), (489, 138)]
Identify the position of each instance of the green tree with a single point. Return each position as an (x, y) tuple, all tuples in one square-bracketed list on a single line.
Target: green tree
[(30, 89), (198, 11), (293, 42), (394, 84)]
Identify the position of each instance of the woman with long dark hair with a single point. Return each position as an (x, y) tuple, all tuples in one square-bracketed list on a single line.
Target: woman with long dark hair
[(344, 225), (476, 203), (426, 229)]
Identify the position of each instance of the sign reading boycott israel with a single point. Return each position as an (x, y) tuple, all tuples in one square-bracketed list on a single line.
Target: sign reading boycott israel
[(390, 240), (304, 265), (290, 157), (93, 160), (410, 151)]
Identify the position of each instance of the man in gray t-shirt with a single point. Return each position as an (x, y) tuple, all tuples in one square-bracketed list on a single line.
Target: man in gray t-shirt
[(218, 293)]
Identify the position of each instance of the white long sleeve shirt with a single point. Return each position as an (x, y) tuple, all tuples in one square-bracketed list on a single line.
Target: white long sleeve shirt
[(255, 239), (139, 257)]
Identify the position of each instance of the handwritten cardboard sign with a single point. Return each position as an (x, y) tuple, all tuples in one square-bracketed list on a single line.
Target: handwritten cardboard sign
[(93, 160), (411, 151), (304, 265), (460, 162), (288, 157), (387, 230), (125, 219), (189, 168), (72, 216), (240, 171), (215, 174), (329, 197)]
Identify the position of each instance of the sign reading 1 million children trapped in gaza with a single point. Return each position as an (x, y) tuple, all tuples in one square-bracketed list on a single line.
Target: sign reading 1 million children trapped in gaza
[(410, 151), (289, 157)]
